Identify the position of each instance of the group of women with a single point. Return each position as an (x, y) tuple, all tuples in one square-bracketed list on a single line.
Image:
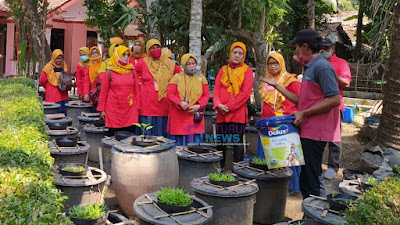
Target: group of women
[(148, 87)]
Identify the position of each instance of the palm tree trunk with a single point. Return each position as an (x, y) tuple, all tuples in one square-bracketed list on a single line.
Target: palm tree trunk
[(196, 14), (388, 134), (311, 14)]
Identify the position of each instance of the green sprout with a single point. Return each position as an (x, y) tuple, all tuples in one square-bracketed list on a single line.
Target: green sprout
[(74, 169), (145, 127), (174, 196), (221, 176), (259, 161), (334, 195), (91, 211)]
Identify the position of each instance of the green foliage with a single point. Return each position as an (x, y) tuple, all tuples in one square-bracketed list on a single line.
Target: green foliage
[(109, 17), (259, 161), (74, 169), (174, 196), (221, 176), (27, 191), (144, 127), (91, 211), (380, 205)]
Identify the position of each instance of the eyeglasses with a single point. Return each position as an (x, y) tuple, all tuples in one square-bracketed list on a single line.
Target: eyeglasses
[(273, 64), (191, 64)]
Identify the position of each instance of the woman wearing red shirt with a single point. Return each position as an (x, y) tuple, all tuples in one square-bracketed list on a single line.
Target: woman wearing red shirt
[(92, 72), (153, 75), (188, 93), (138, 52), (233, 87), (80, 70), (50, 77), (116, 102), (275, 104)]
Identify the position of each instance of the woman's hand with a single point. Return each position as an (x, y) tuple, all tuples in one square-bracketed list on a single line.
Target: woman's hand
[(223, 109), (184, 105), (270, 81), (194, 108), (102, 115), (86, 98)]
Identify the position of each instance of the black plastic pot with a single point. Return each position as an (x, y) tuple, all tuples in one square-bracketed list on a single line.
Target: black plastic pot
[(340, 202), (66, 142), (117, 218), (225, 183), (306, 222), (99, 123), (73, 174), (146, 142), (173, 208), (257, 166), (99, 221), (199, 148), (57, 125), (119, 135)]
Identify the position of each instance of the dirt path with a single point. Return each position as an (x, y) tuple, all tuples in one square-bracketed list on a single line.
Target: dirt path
[(351, 150)]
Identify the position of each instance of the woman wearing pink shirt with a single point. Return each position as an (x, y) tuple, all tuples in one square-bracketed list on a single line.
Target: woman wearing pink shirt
[(80, 70)]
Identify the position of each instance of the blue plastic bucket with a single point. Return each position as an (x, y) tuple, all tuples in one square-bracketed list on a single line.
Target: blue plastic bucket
[(280, 140)]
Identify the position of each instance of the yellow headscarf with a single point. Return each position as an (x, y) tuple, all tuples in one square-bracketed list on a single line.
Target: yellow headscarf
[(142, 50), (189, 86), (106, 63), (273, 97), (86, 50), (167, 53), (161, 69), (236, 76), (54, 77), (94, 65), (117, 55), (116, 40)]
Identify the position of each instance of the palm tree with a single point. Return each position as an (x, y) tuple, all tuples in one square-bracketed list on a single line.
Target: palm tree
[(311, 14), (196, 14), (388, 134)]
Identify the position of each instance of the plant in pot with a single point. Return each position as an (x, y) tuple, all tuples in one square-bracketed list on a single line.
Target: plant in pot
[(259, 163), (91, 214), (144, 140), (73, 169), (223, 179), (173, 200)]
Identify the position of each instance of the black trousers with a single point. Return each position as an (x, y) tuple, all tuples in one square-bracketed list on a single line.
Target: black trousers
[(231, 134)]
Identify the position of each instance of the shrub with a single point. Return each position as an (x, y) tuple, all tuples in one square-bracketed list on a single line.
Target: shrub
[(27, 191), (91, 211), (174, 196), (379, 205)]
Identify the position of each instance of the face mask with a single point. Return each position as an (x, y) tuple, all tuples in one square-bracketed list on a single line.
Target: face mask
[(84, 58), (122, 62), (156, 53), (303, 60), (326, 54)]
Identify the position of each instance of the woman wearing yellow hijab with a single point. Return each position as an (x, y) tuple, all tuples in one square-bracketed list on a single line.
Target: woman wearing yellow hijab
[(188, 93), (117, 103), (154, 74), (233, 87), (92, 72), (80, 70), (50, 77), (138, 51), (275, 104)]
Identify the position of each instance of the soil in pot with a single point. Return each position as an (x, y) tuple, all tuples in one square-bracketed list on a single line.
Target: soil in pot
[(119, 135), (258, 163), (199, 148), (73, 169), (174, 200), (66, 142), (223, 179), (340, 202), (58, 125), (144, 142), (88, 214)]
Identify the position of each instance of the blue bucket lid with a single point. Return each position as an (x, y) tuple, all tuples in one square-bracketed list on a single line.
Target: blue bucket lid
[(274, 121)]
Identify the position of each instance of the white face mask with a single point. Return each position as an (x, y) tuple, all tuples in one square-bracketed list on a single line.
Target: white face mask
[(326, 54)]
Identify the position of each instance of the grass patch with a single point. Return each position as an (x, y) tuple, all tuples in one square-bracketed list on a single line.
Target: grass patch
[(174, 196), (91, 211), (74, 169), (221, 177), (259, 161)]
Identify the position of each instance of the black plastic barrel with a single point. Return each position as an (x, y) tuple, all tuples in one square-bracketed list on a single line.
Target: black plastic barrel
[(231, 206), (75, 109), (69, 132), (195, 166), (51, 108), (315, 213), (69, 155), (271, 199), (93, 136)]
